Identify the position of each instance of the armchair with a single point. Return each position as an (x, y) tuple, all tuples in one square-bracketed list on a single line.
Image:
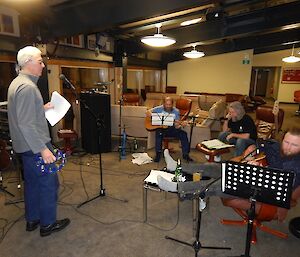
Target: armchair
[(131, 99), (265, 121)]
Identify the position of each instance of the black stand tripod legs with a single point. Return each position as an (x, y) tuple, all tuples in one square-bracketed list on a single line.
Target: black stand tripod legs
[(2, 189), (102, 193), (197, 245)]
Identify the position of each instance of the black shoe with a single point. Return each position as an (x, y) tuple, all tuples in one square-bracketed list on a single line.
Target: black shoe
[(157, 157), (57, 226), (188, 158), (32, 225)]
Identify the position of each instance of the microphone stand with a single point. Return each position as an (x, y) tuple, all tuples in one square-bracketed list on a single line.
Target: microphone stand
[(120, 125), (191, 131), (197, 244), (100, 125)]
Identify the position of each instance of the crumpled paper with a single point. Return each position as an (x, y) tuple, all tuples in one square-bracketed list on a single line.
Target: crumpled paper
[(141, 158)]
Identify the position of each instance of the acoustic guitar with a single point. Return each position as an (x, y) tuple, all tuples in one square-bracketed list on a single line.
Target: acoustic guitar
[(4, 155), (260, 158)]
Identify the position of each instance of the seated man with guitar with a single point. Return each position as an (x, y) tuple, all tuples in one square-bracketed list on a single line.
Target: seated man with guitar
[(283, 156), (171, 131), (238, 129)]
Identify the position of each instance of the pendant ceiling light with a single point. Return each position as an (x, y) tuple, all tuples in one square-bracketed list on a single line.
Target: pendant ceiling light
[(158, 40), (292, 58), (193, 54)]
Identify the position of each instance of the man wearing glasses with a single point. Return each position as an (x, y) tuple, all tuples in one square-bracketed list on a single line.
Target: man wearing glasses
[(30, 137)]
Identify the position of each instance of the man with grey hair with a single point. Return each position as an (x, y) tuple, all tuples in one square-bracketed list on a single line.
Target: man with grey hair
[(238, 129), (30, 137)]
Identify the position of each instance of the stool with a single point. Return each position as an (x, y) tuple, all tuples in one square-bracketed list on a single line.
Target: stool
[(67, 135), (211, 152)]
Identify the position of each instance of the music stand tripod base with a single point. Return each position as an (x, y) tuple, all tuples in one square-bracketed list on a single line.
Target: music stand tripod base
[(196, 245)]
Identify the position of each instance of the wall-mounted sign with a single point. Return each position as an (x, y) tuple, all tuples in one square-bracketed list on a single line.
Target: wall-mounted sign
[(291, 75), (9, 22)]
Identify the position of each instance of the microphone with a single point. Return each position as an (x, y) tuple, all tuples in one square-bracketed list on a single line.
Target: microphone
[(63, 78), (104, 83)]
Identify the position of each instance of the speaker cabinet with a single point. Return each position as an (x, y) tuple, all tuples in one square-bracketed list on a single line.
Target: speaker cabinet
[(99, 104)]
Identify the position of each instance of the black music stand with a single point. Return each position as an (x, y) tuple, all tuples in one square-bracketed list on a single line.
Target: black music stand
[(256, 183), (189, 190)]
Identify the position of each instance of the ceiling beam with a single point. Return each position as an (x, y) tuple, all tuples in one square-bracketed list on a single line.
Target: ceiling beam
[(93, 15)]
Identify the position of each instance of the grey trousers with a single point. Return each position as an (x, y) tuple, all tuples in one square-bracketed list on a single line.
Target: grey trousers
[(212, 170)]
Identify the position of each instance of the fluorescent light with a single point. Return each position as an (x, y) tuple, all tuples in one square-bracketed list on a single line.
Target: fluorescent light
[(190, 22), (291, 58), (193, 54), (158, 40)]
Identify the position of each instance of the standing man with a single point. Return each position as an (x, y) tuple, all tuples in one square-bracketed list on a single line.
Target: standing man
[(30, 137), (238, 129), (173, 131)]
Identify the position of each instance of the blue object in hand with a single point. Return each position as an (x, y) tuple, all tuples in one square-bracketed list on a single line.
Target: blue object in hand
[(60, 162)]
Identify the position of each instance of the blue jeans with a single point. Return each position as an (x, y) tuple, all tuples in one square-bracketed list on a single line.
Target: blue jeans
[(172, 132), (241, 144), (40, 191)]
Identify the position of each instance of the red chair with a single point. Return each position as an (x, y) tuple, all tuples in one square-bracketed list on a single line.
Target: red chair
[(67, 135), (297, 100), (266, 213), (184, 106)]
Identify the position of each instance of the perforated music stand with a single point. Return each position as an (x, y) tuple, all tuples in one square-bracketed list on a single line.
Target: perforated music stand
[(256, 183)]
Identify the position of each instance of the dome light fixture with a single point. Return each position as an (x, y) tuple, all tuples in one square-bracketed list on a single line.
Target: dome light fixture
[(292, 58), (158, 40), (193, 54)]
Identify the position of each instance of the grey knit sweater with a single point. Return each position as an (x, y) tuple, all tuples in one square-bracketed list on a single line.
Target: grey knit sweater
[(26, 116)]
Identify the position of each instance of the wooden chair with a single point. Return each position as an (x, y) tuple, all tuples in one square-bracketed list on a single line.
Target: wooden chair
[(132, 99), (184, 106), (171, 89)]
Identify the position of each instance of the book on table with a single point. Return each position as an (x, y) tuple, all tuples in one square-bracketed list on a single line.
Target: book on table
[(215, 144)]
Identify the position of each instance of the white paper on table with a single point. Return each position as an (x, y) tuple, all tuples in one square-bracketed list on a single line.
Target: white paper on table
[(61, 106), (152, 177)]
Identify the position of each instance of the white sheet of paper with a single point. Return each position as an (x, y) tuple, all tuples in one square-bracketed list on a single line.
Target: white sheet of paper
[(152, 178), (165, 119), (215, 144), (61, 106)]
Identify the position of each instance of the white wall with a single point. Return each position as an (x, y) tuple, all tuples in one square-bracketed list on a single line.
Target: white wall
[(285, 91), (224, 73)]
